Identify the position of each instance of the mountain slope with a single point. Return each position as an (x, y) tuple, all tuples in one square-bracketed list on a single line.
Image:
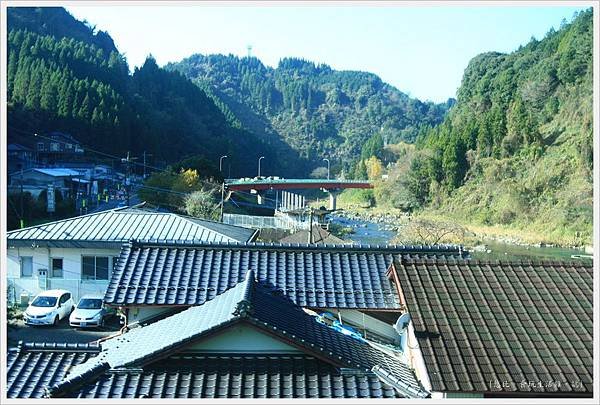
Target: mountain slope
[(320, 112), (516, 149), (64, 76)]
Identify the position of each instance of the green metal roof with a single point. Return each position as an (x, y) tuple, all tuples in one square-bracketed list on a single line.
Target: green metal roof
[(113, 227)]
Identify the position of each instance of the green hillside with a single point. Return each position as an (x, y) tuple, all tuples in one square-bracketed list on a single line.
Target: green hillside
[(318, 111), (515, 152), (62, 75)]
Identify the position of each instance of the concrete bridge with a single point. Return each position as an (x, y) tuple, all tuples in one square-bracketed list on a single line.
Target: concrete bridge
[(258, 185)]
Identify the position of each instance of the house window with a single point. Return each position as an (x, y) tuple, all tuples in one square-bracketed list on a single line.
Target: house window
[(54, 146), (57, 267), (40, 146), (94, 267), (26, 266)]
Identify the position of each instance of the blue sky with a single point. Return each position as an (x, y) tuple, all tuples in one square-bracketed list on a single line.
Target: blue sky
[(423, 51)]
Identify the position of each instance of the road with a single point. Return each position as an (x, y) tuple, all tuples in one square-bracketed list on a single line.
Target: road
[(62, 333)]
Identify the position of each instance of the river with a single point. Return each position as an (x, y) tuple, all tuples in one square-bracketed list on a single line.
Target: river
[(371, 233)]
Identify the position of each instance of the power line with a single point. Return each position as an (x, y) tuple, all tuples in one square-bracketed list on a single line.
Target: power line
[(163, 190), (86, 149)]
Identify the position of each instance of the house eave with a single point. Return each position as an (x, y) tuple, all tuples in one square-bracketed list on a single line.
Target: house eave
[(85, 244)]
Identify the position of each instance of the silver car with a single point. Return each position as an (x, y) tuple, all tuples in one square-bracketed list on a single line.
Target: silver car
[(90, 312)]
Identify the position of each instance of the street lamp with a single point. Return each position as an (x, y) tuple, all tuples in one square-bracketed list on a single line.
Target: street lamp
[(259, 159), (327, 160), (221, 162)]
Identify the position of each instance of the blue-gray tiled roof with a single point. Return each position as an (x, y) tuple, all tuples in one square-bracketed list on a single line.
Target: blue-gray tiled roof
[(31, 367), (246, 302), (196, 375), (319, 277)]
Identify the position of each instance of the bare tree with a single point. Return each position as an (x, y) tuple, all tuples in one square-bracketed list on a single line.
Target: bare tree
[(202, 204), (425, 231)]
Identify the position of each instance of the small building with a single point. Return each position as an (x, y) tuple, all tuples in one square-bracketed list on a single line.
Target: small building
[(90, 171), (57, 145), (37, 179), (19, 157), (100, 177), (78, 254), (247, 342)]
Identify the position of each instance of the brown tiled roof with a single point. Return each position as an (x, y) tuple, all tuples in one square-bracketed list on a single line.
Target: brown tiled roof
[(496, 327)]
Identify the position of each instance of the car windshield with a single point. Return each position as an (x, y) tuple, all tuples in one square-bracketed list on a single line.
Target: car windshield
[(44, 302), (90, 303)]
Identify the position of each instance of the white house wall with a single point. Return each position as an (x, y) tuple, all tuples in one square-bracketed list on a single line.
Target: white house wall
[(71, 279), (140, 314), (415, 357), (242, 339), (366, 322)]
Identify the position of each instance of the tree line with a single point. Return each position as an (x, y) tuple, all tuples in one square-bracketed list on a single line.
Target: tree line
[(81, 84)]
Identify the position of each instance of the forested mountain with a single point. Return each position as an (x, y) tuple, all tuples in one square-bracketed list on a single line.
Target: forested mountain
[(516, 149), (319, 111), (64, 76)]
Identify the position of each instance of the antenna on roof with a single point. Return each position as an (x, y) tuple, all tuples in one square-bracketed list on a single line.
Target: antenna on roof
[(402, 323)]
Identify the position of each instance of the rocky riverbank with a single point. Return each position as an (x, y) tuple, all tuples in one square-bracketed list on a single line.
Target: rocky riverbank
[(475, 238), (393, 222)]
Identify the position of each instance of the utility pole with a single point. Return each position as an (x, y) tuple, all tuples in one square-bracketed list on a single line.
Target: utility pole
[(22, 221), (127, 162), (145, 154)]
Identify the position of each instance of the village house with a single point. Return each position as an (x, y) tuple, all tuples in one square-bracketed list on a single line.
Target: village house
[(19, 157), (37, 179), (246, 342), (57, 145), (78, 254), (348, 281), (501, 329), (466, 329)]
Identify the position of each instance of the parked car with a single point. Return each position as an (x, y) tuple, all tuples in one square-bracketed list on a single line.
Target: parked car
[(90, 312), (49, 307)]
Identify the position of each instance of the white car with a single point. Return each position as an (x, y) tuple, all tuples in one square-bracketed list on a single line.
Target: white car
[(90, 312), (49, 307)]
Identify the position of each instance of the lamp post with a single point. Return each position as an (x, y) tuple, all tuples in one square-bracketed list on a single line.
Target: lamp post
[(221, 162), (327, 160), (259, 159)]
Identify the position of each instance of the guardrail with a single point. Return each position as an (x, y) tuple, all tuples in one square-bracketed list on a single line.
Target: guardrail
[(263, 222), (31, 286)]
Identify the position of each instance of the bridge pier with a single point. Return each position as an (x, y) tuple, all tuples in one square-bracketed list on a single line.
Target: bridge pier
[(333, 198), (260, 197)]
